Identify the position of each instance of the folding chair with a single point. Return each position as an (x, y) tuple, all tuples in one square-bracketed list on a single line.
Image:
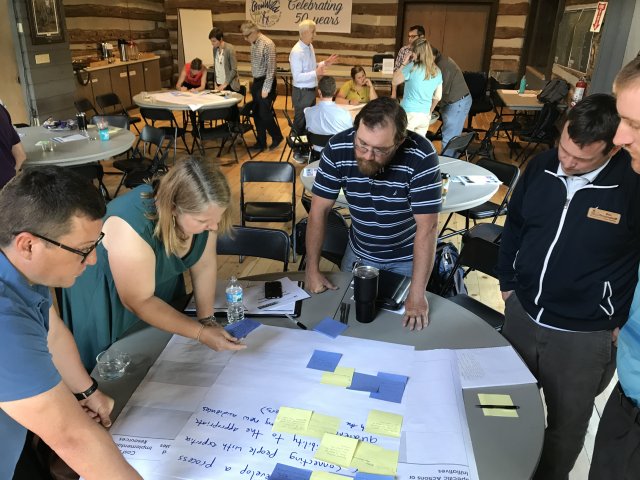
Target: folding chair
[(336, 239), (508, 174), (110, 104), (478, 87), (543, 132), (316, 140), (459, 145), (295, 141), (260, 211), (226, 131), (153, 115), (256, 242), (85, 106), (479, 251)]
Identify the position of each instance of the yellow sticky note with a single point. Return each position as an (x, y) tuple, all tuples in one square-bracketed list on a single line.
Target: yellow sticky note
[(341, 377), (321, 424), (384, 423), (292, 420), (336, 449), (495, 399), (320, 475), (371, 458)]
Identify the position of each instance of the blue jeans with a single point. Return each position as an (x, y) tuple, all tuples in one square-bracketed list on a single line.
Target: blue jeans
[(403, 268), (453, 118)]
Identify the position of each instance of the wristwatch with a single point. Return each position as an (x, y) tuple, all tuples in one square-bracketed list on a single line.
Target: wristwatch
[(88, 392)]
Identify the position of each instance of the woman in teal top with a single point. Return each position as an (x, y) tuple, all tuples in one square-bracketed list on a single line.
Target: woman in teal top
[(422, 86), (153, 234)]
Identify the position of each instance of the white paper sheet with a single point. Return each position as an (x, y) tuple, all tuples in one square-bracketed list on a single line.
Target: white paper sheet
[(492, 367)]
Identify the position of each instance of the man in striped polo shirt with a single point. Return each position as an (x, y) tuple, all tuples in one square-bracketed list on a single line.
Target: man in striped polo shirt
[(391, 179)]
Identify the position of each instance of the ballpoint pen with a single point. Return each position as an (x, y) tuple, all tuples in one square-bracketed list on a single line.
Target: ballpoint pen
[(299, 324), (504, 407)]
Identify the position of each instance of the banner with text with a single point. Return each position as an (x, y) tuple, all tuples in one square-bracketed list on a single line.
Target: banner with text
[(329, 15)]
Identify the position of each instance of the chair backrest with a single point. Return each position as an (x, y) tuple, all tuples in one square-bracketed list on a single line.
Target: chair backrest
[(110, 100), (336, 238), (256, 242), (211, 114), (293, 131), (459, 144), (317, 139), (157, 114), (544, 125), (260, 171), (507, 173), (477, 83), (119, 121), (84, 105)]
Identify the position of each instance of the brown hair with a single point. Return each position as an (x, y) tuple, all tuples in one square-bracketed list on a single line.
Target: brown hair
[(630, 74), (189, 187), (424, 58), (381, 112)]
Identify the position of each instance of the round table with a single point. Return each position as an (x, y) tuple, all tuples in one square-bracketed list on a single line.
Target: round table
[(186, 101), (78, 152), (504, 449), (460, 197)]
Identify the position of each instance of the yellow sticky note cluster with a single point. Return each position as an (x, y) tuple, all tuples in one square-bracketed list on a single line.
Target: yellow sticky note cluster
[(341, 377), (384, 423), (352, 453), (304, 422), (495, 400)]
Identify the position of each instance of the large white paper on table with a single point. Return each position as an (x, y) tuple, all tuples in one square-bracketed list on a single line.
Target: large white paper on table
[(492, 367), (229, 435), (194, 100)]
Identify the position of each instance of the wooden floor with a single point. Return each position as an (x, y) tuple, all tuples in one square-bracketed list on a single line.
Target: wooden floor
[(480, 286)]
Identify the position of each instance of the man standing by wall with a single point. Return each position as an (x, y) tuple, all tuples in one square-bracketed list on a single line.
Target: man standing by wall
[(616, 454), (12, 153), (263, 88), (305, 72), (567, 269), (391, 179), (50, 222)]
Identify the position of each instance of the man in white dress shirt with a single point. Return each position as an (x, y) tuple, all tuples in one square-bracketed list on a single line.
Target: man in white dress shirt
[(305, 72), (327, 118)]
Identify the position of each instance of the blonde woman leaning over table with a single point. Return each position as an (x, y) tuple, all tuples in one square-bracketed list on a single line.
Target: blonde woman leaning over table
[(357, 90), (153, 234), (422, 86)]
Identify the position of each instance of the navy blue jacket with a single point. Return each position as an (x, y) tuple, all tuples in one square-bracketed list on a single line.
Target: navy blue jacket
[(571, 271)]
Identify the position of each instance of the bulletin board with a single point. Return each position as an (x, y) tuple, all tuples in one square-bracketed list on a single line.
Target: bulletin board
[(193, 36)]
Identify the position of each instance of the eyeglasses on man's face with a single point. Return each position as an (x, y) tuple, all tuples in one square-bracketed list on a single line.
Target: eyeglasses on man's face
[(413, 35), (377, 151), (84, 253)]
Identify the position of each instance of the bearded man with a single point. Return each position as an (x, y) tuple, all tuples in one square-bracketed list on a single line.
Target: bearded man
[(391, 180)]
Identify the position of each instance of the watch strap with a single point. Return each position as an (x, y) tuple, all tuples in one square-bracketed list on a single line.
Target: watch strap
[(88, 392)]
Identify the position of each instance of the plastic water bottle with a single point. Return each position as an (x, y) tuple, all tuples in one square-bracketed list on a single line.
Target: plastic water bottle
[(523, 85), (235, 308)]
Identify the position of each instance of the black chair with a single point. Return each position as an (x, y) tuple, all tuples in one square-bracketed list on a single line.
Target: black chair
[(245, 125), (508, 174), (459, 145), (223, 132), (110, 104), (543, 132), (150, 140), (94, 173), (256, 242), (479, 251), (336, 239), (316, 140), (294, 140), (153, 115), (478, 84), (85, 106), (259, 211)]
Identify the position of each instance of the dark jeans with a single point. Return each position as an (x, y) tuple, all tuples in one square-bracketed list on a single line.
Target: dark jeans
[(616, 455), (263, 113), (572, 368)]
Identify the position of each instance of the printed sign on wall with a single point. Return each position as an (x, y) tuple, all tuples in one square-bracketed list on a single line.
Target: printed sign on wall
[(329, 15)]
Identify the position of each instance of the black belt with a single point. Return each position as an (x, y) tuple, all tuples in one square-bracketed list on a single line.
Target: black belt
[(628, 406), (462, 98), (312, 89)]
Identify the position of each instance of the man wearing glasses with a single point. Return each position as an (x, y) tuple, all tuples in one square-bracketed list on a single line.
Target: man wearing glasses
[(391, 180), (263, 87), (415, 32), (50, 221)]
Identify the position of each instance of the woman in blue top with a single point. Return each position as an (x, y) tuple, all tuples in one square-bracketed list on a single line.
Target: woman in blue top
[(422, 86), (153, 234)]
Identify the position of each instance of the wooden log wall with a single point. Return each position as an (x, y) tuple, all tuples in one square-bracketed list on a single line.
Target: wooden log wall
[(153, 24)]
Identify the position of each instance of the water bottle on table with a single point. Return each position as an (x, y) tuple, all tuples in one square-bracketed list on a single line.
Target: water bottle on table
[(235, 308)]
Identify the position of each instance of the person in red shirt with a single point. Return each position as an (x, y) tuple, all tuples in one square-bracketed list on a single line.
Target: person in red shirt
[(192, 77)]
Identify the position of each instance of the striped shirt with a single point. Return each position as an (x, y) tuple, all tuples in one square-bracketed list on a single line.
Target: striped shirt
[(382, 208), (263, 60)]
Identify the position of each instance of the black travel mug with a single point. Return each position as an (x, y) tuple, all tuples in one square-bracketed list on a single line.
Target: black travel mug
[(365, 286)]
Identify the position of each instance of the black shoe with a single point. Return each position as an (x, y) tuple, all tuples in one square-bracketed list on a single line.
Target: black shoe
[(256, 148), (275, 144)]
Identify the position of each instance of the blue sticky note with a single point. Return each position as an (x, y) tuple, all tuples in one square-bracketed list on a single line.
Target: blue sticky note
[(364, 383), (285, 472), (327, 361), (330, 327), (391, 387), (242, 328), (372, 476)]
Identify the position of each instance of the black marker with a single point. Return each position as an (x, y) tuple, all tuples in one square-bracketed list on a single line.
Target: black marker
[(504, 407), (299, 324)]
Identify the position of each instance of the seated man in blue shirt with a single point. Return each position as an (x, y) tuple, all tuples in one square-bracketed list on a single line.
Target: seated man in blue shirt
[(616, 454), (391, 180), (327, 118), (50, 222)]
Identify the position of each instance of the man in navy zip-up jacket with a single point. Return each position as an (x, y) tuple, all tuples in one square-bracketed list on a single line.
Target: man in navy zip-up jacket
[(568, 267)]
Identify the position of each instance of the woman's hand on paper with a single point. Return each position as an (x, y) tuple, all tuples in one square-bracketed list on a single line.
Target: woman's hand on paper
[(217, 338)]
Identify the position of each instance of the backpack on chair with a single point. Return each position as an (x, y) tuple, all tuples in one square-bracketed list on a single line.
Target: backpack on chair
[(554, 91), (445, 259)]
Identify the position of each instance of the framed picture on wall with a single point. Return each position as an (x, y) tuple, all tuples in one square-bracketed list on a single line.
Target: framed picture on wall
[(45, 20)]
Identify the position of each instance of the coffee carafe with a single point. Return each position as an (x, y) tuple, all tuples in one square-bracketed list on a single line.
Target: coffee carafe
[(122, 48)]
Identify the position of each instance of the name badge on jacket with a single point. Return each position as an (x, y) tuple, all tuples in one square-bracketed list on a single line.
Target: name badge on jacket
[(604, 215)]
